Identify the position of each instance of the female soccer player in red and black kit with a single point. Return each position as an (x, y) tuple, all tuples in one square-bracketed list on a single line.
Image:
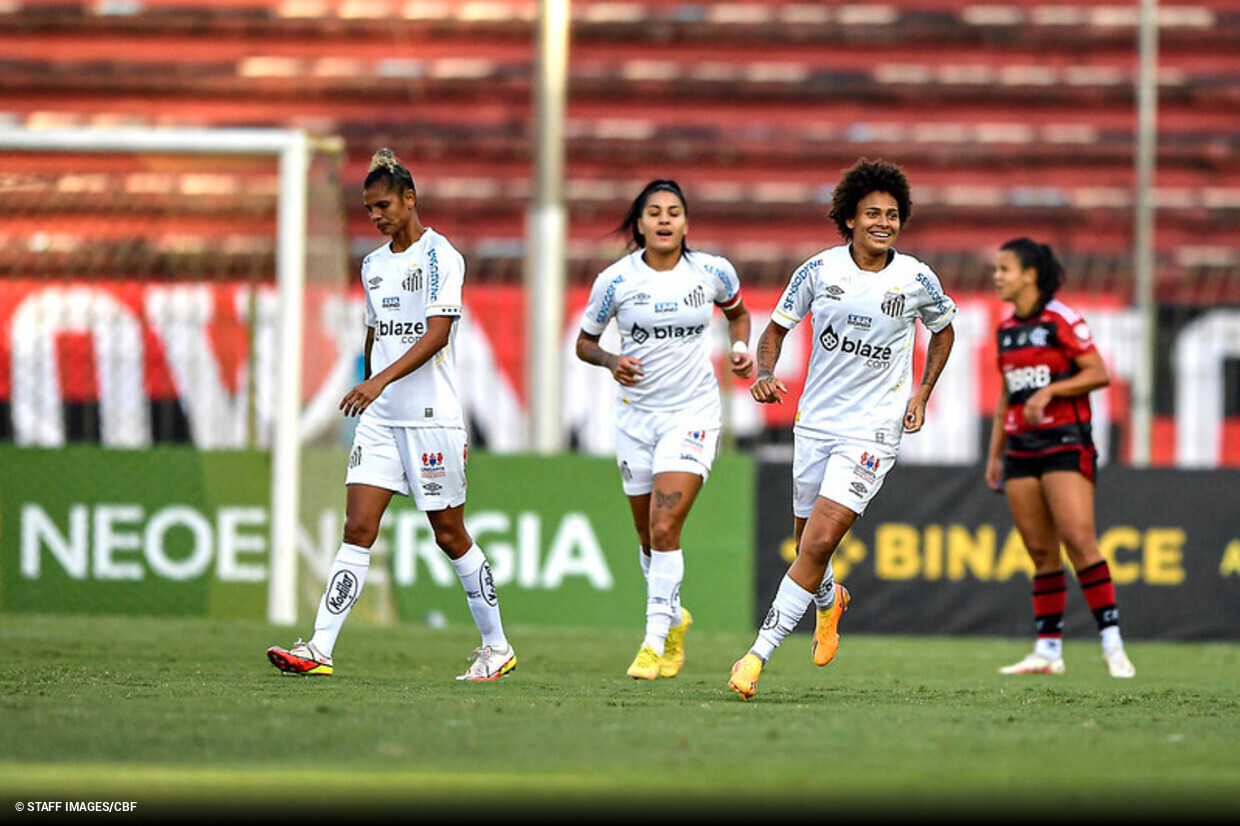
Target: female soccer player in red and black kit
[(1042, 452)]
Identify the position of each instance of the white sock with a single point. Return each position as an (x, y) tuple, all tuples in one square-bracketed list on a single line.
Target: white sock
[(475, 574), (643, 556), (790, 604), (1049, 647), (1111, 639), (344, 586), (667, 572), (824, 597)]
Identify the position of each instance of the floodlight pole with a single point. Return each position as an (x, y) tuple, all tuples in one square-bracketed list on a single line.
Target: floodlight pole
[(1143, 236), (546, 229)]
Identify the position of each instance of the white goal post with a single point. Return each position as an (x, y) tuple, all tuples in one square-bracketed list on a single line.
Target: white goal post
[(292, 148)]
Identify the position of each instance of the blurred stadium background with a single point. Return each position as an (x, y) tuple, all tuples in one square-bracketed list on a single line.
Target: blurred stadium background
[(1010, 119)]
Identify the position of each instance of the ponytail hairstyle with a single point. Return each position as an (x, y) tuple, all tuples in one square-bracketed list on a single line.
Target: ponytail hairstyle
[(859, 180), (386, 169), (629, 225), (1042, 259)]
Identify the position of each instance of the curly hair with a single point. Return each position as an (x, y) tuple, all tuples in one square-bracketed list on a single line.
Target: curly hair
[(858, 181), (385, 168)]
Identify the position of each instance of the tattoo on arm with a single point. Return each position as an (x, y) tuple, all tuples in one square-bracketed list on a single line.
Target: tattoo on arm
[(768, 354)]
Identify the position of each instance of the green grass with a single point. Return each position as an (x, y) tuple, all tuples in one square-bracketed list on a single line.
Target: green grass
[(187, 716)]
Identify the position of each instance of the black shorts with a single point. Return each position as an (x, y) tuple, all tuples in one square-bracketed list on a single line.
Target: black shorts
[(1081, 458)]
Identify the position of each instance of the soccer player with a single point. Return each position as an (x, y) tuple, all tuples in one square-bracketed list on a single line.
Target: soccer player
[(863, 299), (1042, 452), (662, 296), (411, 437)]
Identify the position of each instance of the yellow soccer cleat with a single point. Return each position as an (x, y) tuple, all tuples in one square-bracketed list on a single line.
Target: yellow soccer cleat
[(745, 673), (827, 632), (674, 648), (646, 664)]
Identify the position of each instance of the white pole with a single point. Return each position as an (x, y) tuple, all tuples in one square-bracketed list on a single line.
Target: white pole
[(546, 231), (1143, 240), (286, 441), (293, 149)]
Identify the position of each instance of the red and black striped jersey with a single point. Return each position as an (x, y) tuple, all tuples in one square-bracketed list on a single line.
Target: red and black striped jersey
[(1033, 352)]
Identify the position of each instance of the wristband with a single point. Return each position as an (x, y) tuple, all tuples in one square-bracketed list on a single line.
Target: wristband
[(740, 348)]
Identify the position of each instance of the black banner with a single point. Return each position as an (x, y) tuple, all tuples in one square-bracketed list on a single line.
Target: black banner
[(936, 553)]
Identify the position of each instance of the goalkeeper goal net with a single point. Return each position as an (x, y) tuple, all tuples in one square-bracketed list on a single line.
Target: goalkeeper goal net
[(173, 312)]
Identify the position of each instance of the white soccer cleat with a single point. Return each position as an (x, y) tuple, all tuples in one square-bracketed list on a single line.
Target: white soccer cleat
[(490, 664), (1035, 664), (1118, 663)]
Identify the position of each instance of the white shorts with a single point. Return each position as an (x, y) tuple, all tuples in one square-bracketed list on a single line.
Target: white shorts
[(428, 462), (846, 471), (649, 442)]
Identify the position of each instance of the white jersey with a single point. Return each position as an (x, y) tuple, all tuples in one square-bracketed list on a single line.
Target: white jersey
[(858, 381), (664, 322), (403, 290)]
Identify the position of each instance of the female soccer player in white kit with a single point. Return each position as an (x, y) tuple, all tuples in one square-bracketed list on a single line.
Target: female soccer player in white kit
[(863, 298), (411, 437), (662, 297)]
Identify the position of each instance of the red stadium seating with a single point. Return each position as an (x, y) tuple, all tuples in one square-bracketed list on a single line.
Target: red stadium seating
[(1010, 119)]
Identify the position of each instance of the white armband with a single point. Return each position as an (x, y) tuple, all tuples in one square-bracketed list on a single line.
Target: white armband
[(740, 348)]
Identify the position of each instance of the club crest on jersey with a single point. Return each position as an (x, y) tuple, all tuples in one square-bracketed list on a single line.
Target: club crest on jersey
[(893, 304), (413, 280), (697, 297)]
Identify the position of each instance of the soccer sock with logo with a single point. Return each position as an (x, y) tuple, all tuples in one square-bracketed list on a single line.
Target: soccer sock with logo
[(790, 604), (824, 597), (344, 586), (1099, 591), (667, 571), (475, 574), (1050, 600)]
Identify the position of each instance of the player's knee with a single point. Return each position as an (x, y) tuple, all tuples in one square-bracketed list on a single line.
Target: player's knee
[(359, 532), (453, 540), (665, 533)]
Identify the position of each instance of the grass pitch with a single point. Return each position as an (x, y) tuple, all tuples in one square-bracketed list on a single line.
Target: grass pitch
[(186, 718)]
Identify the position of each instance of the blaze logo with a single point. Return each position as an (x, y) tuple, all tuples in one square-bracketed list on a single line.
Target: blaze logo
[(875, 356)]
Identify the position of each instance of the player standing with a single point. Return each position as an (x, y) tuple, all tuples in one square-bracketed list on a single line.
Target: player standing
[(411, 437), (1042, 452)]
